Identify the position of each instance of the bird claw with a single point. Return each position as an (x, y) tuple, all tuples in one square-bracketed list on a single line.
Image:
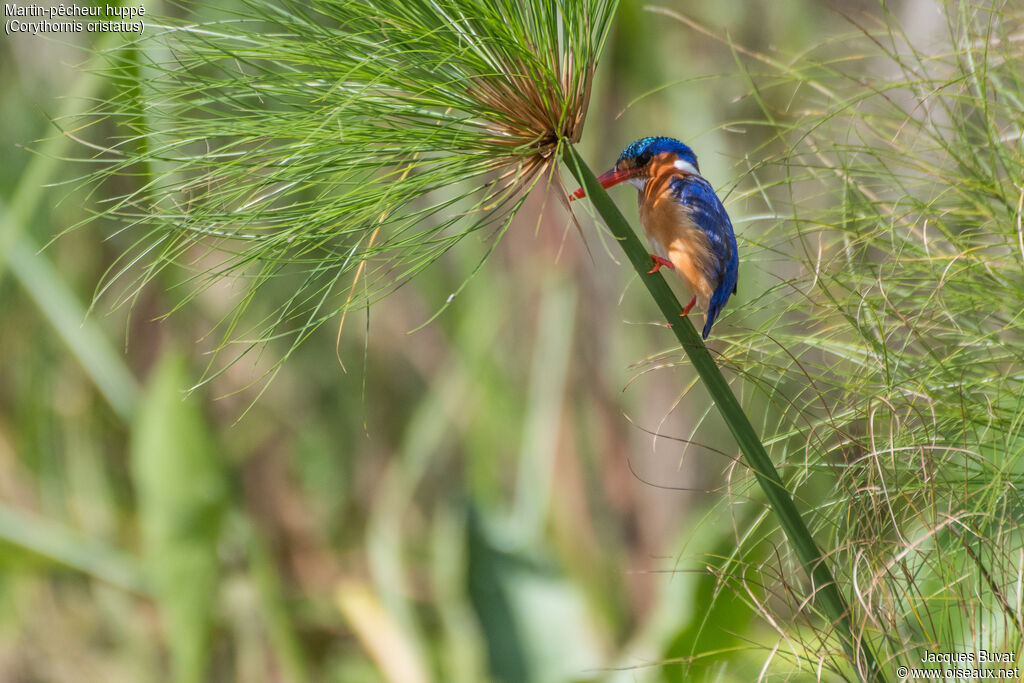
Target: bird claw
[(687, 307), (660, 262)]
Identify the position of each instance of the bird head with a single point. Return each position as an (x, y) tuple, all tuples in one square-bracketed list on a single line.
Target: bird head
[(645, 158)]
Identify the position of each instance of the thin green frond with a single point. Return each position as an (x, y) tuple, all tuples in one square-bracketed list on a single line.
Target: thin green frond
[(292, 145)]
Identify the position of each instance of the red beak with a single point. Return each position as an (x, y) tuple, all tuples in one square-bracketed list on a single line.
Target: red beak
[(612, 177)]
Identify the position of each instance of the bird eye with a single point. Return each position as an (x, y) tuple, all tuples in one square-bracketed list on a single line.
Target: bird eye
[(642, 158)]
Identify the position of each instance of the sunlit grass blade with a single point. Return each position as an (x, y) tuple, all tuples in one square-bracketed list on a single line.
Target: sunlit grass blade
[(29, 536), (99, 358)]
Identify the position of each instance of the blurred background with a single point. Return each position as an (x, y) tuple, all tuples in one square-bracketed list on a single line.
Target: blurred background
[(479, 498)]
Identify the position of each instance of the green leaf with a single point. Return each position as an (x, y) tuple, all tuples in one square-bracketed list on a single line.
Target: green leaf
[(526, 608), (181, 493)]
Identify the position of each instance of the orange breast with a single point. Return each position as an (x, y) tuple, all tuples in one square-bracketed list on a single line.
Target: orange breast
[(674, 235)]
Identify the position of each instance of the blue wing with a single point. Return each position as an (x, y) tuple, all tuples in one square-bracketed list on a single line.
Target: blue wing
[(698, 198)]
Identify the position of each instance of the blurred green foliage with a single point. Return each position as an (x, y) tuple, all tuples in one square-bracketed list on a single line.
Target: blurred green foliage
[(483, 498), (179, 482)]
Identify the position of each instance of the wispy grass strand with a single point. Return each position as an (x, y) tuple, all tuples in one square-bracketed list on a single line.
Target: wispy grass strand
[(295, 145)]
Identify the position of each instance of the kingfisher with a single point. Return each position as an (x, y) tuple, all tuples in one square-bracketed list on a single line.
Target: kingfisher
[(683, 219)]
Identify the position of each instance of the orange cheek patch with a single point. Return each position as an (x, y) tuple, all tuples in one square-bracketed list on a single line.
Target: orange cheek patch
[(662, 167)]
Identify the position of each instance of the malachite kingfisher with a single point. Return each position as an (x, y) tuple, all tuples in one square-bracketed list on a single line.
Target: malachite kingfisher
[(683, 219)]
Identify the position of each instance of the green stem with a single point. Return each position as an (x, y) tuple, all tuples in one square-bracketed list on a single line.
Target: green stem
[(824, 587), (28, 194)]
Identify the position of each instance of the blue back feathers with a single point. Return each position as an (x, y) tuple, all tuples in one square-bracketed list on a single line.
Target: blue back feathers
[(706, 210)]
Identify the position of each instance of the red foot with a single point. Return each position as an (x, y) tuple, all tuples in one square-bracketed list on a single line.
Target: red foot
[(687, 307), (659, 262)]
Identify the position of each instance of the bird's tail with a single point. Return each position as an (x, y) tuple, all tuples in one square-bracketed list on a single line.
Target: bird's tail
[(714, 308), (709, 320)]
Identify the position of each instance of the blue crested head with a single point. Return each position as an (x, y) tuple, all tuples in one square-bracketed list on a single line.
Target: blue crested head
[(641, 151)]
